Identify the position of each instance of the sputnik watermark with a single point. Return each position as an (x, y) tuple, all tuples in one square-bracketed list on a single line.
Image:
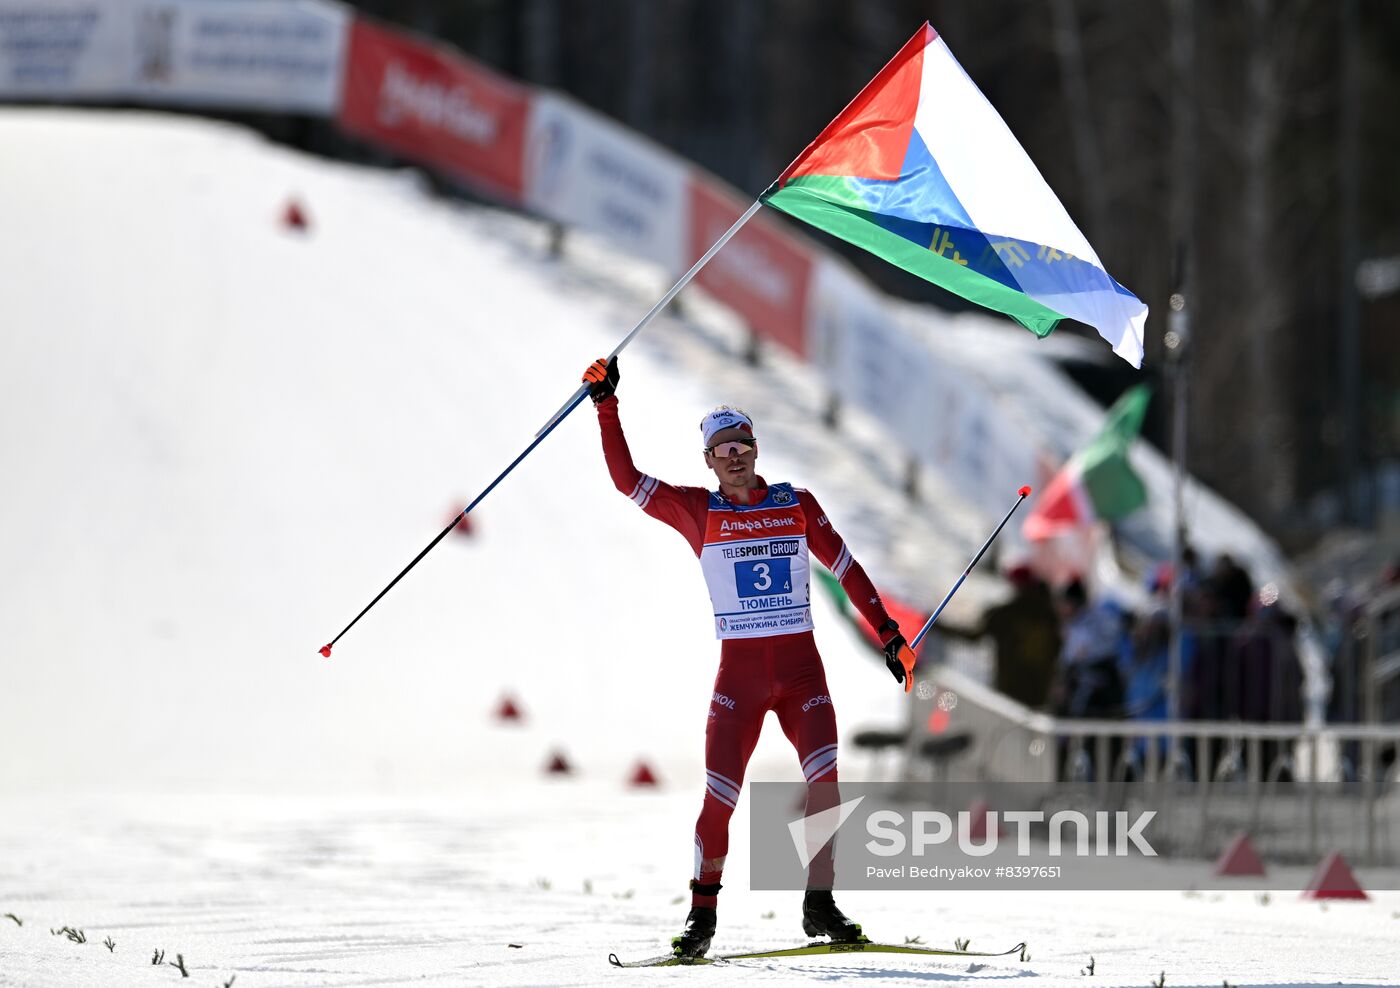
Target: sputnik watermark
[(811, 833), (930, 828), (937, 834)]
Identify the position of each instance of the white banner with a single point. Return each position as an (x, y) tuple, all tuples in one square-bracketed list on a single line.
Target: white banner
[(260, 54), (971, 437), (587, 171), (64, 48), (274, 54), (940, 414), (869, 360)]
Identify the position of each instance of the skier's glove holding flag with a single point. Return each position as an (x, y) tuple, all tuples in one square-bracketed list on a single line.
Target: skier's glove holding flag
[(899, 657), (602, 377)]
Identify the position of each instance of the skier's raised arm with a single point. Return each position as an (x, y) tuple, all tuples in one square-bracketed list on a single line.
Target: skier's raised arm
[(683, 508)]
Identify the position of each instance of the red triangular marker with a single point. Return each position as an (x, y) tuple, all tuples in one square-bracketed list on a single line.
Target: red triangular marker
[(1239, 858), (643, 776), (558, 765), (294, 217), (1333, 880), (508, 710)]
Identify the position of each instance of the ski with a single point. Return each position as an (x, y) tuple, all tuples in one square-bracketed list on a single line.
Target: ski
[(811, 949)]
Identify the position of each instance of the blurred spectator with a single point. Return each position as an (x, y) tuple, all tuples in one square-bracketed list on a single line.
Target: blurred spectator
[(1159, 579), (1266, 665), (1211, 612), (1190, 567), (1025, 632), (1204, 626), (1089, 682), (1340, 635), (1230, 583), (1362, 620), (1269, 677), (1145, 672)]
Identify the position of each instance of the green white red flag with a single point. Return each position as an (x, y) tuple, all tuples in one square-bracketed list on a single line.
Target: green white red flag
[(1097, 483)]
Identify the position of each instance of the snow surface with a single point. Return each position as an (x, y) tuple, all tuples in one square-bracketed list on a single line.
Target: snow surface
[(303, 892), (221, 438)]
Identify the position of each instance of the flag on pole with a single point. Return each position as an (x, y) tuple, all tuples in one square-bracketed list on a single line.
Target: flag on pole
[(920, 170), (1097, 483)]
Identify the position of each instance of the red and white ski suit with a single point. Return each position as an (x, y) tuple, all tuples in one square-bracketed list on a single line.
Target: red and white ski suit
[(768, 661)]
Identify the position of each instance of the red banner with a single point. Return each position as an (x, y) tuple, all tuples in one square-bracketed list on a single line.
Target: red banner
[(435, 106), (762, 273)]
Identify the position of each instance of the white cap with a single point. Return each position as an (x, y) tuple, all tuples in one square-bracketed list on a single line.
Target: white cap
[(724, 417)]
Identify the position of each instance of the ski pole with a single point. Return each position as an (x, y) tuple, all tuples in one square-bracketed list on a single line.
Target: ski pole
[(326, 649), (560, 415), (565, 408), (1022, 494)]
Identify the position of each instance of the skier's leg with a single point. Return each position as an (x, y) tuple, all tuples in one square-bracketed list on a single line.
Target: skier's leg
[(741, 699), (808, 719)]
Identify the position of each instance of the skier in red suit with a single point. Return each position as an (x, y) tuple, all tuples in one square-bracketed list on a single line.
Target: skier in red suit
[(753, 541)]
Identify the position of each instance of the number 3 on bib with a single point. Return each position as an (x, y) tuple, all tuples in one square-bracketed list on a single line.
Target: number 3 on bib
[(768, 577)]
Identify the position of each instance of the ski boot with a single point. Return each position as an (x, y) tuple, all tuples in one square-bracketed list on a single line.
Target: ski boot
[(699, 931), (820, 917)]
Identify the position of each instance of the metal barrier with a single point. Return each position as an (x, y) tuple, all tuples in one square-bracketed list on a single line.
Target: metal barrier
[(1207, 779)]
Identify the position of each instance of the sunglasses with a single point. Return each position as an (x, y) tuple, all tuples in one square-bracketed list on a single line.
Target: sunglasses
[(732, 447)]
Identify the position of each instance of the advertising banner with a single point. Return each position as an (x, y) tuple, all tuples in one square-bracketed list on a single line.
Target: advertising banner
[(973, 435), (437, 107), (940, 413), (65, 48), (868, 360), (245, 53), (587, 171), (762, 274)]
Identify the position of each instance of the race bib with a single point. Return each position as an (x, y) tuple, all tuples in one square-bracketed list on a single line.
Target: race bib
[(757, 569)]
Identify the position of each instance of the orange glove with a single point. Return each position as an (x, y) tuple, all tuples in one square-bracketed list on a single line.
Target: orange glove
[(602, 377), (899, 657)]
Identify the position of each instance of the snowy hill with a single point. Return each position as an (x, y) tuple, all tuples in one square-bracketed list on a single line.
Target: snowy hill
[(223, 437)]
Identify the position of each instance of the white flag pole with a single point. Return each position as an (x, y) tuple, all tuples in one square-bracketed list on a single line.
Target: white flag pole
[(655, 309)]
